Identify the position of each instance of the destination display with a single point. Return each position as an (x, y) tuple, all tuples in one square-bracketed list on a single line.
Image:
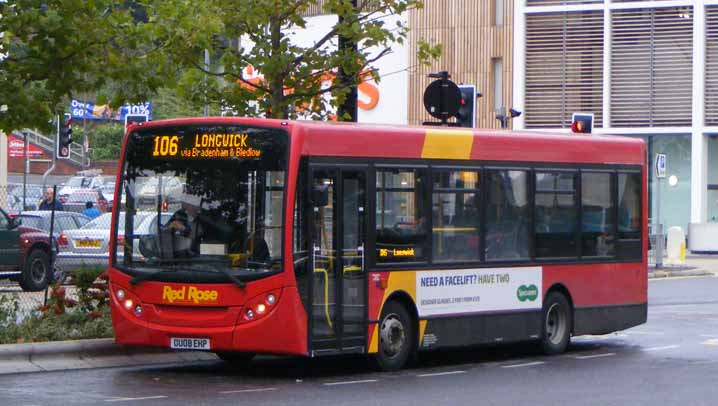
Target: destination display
[(205, 146)]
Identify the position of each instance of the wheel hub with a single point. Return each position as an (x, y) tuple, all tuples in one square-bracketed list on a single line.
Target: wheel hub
[(393, 335), (555, 324)]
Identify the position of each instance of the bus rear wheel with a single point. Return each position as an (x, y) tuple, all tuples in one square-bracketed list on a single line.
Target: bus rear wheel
[(557, 324), (397, 338)]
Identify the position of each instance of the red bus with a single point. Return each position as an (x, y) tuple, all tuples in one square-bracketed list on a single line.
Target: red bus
[(313, 238)]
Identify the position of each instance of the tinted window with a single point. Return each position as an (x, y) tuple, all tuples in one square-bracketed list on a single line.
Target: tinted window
[(401, 218), (555, 215), (629, 205), (3, 221), (598, 221), (507, 213), (455, 215), (34, 222)]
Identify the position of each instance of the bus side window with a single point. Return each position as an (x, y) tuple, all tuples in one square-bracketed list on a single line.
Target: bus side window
[(507, 213), (629, 245), (401, 218), (598, 208)]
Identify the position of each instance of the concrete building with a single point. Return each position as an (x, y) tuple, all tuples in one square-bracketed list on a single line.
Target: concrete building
[(646, 69)]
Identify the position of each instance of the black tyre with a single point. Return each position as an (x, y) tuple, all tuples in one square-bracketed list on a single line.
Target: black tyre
[(397, 338), (236, 359), (557, 324), (36, 274)]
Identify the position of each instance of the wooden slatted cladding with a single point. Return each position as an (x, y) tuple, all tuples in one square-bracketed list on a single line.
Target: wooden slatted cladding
[(651, 72), (711, 84), (559, 2), (564, 68), (471, 40)]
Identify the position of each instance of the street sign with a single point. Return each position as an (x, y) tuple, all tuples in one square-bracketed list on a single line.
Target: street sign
[(660, 165)]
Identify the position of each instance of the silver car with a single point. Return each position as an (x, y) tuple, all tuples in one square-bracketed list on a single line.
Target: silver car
[(90, 245)]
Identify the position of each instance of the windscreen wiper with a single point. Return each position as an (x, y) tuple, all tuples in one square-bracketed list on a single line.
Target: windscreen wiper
[(145, 276)]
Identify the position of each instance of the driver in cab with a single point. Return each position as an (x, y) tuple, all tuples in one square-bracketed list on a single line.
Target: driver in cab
[(186, 227)]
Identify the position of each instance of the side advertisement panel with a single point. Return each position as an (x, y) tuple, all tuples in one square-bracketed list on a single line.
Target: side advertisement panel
[(453, 292)]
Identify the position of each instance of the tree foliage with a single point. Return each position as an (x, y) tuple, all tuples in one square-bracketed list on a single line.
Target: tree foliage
[(294, 76), (54, 50)]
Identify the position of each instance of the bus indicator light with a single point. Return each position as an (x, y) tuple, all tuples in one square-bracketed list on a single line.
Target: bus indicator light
[(582, 123)]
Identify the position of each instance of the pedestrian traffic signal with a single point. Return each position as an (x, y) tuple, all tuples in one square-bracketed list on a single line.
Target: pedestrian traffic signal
[(465, 116), (64, 138), (582, 123)]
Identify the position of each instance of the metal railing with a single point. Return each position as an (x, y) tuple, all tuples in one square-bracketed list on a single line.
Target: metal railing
[(48, 144)]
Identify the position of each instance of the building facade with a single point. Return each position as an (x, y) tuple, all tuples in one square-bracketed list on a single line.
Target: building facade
[(645, 69)]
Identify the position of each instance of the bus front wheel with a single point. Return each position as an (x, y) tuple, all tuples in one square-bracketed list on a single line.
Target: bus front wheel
[(237, 359), (557, 324), (396, 337)]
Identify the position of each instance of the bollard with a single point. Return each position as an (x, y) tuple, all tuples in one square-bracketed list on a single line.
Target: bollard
[(676, 246)]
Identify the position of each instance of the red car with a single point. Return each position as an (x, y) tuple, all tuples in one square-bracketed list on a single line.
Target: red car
[(25, 253)]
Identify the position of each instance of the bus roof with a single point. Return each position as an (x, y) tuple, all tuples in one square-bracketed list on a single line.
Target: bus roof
[(452, 143)]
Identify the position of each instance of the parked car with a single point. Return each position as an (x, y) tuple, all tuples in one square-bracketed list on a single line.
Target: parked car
[(79, 182), (77, 200), (64, 220), (172, 188), (90, 245), (25, 253)]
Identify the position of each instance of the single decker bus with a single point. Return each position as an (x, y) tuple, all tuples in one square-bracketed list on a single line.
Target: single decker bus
[(312, 238)]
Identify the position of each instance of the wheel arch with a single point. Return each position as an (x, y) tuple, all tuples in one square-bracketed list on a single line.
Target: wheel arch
[(407, 301), (37, 245)]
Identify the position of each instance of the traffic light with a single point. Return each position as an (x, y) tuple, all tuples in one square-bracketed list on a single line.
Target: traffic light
[(582, 123), (64, 138), (465, 116)]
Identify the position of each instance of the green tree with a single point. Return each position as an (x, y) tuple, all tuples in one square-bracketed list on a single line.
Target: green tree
[(292, 73), (54, 49)]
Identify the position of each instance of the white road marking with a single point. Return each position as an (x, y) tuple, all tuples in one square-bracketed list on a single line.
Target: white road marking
[(131, 399), (647, 333), (708, 335), (712, 342), (665, 347), (349, 382), (527, 364), (608, 354), (441, 373), (248, 390)]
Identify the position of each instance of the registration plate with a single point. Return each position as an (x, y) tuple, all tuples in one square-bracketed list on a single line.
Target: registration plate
[(185, 343), (87, 243)]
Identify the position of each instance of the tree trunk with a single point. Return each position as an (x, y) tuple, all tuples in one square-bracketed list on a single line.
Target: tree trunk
[(347, 111), (278, 109)]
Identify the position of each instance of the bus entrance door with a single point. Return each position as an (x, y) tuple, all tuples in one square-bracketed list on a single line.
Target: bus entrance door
[(338, 285)]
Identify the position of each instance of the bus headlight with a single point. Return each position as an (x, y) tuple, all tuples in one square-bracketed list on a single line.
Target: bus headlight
[(120, 294), (138, 310), (260, 306), (128, 304)]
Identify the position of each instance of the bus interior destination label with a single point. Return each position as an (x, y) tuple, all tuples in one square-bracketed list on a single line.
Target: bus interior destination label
[(205, 146)]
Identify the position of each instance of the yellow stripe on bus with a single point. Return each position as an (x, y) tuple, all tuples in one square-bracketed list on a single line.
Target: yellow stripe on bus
[(448, 144)]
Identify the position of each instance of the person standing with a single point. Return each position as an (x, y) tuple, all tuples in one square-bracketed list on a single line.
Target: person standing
[(49, 202), (90, 210)]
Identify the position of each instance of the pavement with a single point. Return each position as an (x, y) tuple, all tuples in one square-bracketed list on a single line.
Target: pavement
[(101, 353), (694, 265), (85, 354)]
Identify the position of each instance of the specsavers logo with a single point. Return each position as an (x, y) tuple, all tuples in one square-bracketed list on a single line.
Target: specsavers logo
[(524, 293), (189, 294)]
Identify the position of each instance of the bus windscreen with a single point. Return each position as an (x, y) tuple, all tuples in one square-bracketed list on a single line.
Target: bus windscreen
[(220, 192)]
